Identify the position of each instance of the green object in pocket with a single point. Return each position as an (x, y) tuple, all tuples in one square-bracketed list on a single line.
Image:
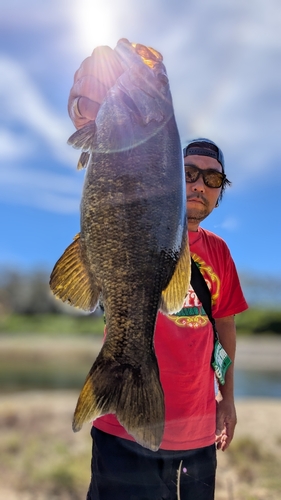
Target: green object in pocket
[(221, 362)]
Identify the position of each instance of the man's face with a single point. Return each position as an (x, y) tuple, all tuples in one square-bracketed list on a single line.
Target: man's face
[(200, 199)]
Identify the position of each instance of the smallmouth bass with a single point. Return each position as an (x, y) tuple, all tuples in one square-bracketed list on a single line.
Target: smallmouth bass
[(132, 251)]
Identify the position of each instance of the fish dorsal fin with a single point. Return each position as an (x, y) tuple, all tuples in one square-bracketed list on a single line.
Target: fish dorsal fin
[(173, 296), (70, 281), (83, 138)]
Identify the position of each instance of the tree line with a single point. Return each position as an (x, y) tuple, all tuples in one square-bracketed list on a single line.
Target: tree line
[(29, 294)]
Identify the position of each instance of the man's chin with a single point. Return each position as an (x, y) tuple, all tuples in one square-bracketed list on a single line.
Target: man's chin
[(196, 215)]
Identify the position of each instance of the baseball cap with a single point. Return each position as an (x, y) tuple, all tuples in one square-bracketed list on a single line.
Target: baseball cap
[(204, 147)]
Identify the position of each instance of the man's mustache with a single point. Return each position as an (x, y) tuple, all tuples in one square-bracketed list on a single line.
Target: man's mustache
[(198, 197)]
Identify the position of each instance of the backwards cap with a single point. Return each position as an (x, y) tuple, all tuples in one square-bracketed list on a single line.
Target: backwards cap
[(204, 147)]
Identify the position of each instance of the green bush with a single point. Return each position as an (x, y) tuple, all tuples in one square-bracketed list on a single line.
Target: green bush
[(259, 321), (52, 324), (252, 321)]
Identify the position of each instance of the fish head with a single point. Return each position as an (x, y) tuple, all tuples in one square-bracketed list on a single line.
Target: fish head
[(144, 82)]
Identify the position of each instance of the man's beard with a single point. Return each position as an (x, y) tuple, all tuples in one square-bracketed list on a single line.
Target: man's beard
[(199, 213)]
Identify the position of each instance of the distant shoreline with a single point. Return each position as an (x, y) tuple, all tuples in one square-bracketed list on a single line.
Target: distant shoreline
[(261, 353), (258, 353)]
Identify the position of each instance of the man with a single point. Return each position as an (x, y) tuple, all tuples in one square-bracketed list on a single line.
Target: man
[(196, 423)]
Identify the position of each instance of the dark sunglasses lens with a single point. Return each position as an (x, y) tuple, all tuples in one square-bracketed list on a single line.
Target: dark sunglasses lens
[(213, 179), (191, 174)]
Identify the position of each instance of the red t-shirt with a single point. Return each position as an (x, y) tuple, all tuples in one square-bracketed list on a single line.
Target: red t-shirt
[(184, 344)]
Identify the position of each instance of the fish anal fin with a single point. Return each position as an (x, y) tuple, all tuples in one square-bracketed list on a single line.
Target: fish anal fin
[(133, 393), (173, 296), (70, 282)]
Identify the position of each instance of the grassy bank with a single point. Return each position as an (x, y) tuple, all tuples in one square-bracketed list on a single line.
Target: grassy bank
[(251, 322), (51, 324)]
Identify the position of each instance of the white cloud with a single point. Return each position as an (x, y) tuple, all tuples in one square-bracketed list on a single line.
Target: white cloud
[(35, 15), (30, 131), (51, 191), (14, 146), (23, 103), (229, 223)]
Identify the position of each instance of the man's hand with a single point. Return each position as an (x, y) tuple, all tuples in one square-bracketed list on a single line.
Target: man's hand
[(92, 80), (226, 422)]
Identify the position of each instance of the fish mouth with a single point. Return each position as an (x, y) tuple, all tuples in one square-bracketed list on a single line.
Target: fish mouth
[(149, 56), (153, 59)]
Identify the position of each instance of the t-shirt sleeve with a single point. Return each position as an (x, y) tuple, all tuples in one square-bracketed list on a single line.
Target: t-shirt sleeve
[(231, 299)]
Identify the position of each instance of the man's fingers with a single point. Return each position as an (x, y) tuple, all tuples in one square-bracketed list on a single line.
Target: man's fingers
[(96, 75), (222, 440), (103, 64), (225, 442), (88, 86), (225, 436), (87, 108), (82, 110), (107, 65), (84, 100)]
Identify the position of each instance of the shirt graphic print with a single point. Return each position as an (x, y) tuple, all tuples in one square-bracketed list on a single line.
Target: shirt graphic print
[(193, 314)]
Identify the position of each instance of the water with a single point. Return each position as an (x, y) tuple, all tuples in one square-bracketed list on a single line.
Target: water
[(258, 384), (248, 383)]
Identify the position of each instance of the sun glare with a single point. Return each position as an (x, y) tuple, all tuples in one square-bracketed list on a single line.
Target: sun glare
[(96, 22)]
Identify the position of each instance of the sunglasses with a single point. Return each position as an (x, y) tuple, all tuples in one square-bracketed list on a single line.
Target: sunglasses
[(212, 178)]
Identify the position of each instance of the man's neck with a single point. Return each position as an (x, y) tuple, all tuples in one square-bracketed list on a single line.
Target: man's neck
[(192, 226)]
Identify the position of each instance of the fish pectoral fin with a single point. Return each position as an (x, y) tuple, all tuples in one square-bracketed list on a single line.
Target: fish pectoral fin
[(83, 160), (83, 138), (173, 296), (70, 282), (133, 393)]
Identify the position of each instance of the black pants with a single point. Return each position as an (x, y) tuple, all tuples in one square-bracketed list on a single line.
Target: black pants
[(124, 470)]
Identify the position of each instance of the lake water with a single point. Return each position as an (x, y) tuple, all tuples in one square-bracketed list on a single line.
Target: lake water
[(251, 383), (248, 383)]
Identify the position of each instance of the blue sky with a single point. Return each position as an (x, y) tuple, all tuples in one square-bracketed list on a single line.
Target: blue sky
[(223, 60)]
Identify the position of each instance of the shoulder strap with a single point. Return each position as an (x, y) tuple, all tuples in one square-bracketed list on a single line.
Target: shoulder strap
[(202, 291)]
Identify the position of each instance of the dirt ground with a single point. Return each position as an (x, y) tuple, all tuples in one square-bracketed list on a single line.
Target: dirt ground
[(41, 458), (250, 468)]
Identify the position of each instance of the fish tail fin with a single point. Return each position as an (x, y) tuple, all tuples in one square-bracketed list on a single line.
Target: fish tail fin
[(133, 393)]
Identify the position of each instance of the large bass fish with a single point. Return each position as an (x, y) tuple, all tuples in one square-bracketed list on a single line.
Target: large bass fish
[(132, 251)]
